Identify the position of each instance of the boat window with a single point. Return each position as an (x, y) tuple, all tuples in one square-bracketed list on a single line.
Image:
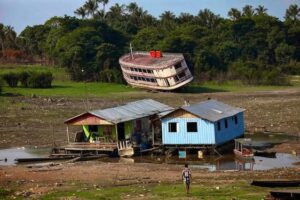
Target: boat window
[(219, 126), (176, 78), (173, 127), (235, 119), (149, 71), (177, 66), (139, 70), (93, 128), (226, 123), (145, 71), (181, 75), (191, 127)]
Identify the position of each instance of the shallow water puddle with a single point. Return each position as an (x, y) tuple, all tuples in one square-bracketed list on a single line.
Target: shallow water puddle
[(13, 153)]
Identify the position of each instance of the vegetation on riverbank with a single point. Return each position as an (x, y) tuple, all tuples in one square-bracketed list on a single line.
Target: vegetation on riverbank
[(250, 45), (63, 86)]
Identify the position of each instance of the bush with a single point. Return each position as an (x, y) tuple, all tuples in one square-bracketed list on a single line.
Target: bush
[(39, 80), (11, 79), (23, 77), (1, 85)]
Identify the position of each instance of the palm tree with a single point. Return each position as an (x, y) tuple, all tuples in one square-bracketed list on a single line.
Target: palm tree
[(167, 20), (2, 36), (261, 10), (234, 14), (10, 34), (248, 11), (81, 12), (185, 18), (91, 7), (208, 18), (292, 13), (104, 2)]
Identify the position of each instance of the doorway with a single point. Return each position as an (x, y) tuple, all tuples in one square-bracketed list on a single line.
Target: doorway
[(121, 131)]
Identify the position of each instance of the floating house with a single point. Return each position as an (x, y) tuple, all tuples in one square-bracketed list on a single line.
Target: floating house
[(209, 123), (121, 128), (154, 70)]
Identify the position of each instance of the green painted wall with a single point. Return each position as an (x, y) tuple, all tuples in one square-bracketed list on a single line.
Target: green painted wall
[(128, 129)]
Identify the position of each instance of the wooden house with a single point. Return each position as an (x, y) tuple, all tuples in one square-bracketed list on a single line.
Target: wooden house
[(119, 128), (209, 123)]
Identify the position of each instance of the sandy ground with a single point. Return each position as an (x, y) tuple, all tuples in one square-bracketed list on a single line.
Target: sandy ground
[(100, 174), (26, 121)]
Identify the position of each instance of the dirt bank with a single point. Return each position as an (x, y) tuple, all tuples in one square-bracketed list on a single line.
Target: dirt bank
[(39, 121), (99, 174)]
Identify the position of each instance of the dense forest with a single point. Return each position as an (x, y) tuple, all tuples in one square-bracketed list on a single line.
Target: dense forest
[(249, 45)]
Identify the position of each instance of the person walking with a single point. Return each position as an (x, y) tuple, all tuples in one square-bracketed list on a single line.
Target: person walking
[(186, 176)]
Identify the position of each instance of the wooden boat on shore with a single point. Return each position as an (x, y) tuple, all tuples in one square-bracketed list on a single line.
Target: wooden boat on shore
[(243, 149), (276, 183), (266, 154), (155, 70)]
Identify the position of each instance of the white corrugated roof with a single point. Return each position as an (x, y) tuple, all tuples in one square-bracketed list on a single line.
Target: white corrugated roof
[(211, 110), (130, 111)]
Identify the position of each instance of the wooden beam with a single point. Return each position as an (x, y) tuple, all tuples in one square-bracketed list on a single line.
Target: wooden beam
[(68, 135)]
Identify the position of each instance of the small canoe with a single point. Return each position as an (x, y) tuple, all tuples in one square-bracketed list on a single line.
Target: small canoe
[(276, 183), (265, 154), (286, 194), (43, 159)]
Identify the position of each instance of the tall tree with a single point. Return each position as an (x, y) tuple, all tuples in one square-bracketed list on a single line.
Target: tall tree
[(261, 10), (234, 14), (292, 13), (81, 12), (208, 18), (167, 20), (248, 11), (91, 7)]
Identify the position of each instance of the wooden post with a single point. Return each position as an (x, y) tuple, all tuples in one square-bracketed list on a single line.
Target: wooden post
[(152, 125), (116, 127), (68, 136)]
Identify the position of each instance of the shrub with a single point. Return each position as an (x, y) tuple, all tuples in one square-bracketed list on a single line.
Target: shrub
[(11, 79), (1, 84), (39, 80), (110, 76), (23, 77)]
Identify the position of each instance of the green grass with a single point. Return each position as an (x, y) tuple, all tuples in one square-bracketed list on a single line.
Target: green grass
[(239, 190), (63, 86), (72, 89)]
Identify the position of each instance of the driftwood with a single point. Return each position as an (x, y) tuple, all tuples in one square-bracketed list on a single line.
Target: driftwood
[(41, 165)]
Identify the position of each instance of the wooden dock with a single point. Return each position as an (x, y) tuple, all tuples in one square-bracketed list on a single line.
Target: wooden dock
[(84, 148)]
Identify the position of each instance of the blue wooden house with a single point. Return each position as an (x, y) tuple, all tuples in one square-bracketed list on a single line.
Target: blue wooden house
[(206, 123)]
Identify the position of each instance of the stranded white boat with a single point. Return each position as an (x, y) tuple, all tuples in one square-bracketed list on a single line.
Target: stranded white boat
[(154, 70)]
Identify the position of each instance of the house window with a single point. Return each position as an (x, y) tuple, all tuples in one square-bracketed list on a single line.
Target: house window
[(191, 127), (226, 123), (173, 127), (219, 126), (235, 119), (93, 128)]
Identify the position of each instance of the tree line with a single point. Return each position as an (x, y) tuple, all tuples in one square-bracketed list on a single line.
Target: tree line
[(250, 45)]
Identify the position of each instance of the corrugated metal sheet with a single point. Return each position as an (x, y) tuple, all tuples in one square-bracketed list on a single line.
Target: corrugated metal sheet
[(132, 110), (204, 135), (212, 110)]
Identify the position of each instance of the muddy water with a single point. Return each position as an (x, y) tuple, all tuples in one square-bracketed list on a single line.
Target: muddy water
[(8, 156), (212, 163)]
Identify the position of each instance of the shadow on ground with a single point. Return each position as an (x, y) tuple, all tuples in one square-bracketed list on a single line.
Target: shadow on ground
[(199, 89)]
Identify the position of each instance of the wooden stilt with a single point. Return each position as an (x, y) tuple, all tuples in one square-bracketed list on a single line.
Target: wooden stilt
[(68, 136)]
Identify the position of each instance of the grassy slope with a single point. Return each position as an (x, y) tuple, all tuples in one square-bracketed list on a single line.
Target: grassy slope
[(237, 190), (63, 86)]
